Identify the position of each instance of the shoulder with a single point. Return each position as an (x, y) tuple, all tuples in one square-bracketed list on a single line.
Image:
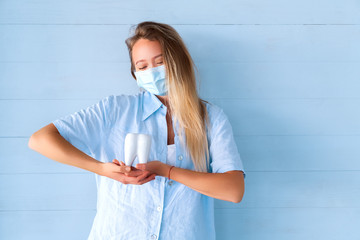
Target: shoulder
[(216, 116), (123, 100), (214, 111), (118, 107)]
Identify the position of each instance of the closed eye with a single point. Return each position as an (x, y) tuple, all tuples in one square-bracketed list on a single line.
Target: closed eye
[(146, 66)]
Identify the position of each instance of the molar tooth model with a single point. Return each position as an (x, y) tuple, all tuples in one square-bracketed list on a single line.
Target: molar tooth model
[(137, 144)]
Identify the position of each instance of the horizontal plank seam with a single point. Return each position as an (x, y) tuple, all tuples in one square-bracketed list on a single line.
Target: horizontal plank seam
[(248, 171), (194, 24), (67, 210), (254, 135)]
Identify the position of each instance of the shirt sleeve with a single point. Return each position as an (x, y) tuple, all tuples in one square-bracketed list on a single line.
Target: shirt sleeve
[(224, 155), (86, 128)]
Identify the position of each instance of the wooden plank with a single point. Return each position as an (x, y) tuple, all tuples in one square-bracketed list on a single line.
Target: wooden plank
[(287, 223), (292, 116), (299, 153), (64, 80), (264, 80), (39, 192), (310, 189), (44, 225), (184, 12), (278, 153), (17, 158), (81, 80), (248, 43), (299, 189), (13, 114), (230, 224), (247, 116)]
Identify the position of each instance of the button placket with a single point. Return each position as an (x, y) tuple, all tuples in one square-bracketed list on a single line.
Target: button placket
[(158, 208)]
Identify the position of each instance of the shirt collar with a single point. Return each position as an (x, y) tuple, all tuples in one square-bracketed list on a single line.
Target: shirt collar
[(150, 104)]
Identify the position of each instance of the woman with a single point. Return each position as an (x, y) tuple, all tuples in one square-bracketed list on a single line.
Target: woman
[(193, 157)]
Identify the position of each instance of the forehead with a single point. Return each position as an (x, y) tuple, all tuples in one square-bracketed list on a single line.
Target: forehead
[(145, 49)]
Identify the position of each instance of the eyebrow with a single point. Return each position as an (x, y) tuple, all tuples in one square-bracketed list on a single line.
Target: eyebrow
[(142, 60)]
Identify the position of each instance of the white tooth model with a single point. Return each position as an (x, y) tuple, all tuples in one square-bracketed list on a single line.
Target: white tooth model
[(137, 144)]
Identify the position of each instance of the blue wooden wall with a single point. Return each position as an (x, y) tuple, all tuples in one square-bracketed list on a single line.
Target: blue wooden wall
[(285, 72)]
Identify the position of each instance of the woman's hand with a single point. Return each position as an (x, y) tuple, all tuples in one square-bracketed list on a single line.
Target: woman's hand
[(126, 174), (157, 167)]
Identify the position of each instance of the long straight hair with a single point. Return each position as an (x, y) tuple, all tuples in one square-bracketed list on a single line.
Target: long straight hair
[(187, 108)]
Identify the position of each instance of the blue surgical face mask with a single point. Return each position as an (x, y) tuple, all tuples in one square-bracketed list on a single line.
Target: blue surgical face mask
[(152, 80)]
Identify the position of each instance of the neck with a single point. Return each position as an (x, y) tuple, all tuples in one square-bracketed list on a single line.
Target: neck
[(163, 99)]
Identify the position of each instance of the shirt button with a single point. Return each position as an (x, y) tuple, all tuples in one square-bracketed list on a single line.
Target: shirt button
[(180, 157), (158, 208), (153, 236)]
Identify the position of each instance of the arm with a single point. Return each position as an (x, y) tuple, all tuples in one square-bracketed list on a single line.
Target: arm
[(228, 186), (51, 144), (223, 182)]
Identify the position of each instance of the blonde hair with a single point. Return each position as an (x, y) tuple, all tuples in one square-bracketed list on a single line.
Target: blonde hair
[(185, 105)]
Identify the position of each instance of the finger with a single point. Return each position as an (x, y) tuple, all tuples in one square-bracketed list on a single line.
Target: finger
[(132, 180), (129, 174), (141, 166), (143, 176), (141, 179), (148, 179), (133, 174)]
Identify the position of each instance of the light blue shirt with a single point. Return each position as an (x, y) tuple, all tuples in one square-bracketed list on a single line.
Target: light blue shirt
[(159, 209)]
